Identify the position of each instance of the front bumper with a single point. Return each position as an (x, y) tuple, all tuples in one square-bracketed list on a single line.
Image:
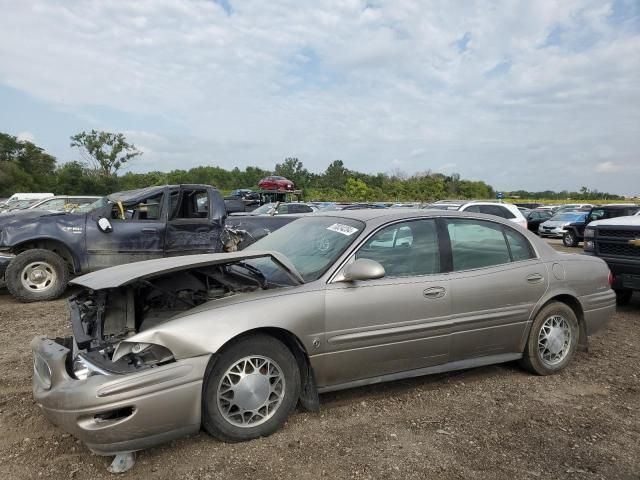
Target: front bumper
[(5, 260), (119, 413), (556, 232)]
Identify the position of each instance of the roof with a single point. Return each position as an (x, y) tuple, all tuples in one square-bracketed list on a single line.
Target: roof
[(617, 205), (142, 193), (385, 214), (631, 221)]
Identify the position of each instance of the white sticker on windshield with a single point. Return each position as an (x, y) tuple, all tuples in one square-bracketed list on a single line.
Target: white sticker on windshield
[(343, 229)]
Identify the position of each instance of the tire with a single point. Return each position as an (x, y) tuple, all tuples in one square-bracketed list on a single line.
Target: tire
[(623, 296), (569, 240), (221, 417), (546, 356), (37, 275)]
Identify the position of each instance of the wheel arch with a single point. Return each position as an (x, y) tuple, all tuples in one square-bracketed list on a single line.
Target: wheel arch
[(574, 304), (309, 398), (53, 245)]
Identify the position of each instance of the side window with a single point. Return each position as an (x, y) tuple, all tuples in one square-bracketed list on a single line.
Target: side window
[(506, 213), (189, 204), (405, 249), (300, 209), (147, 209), (55, 204), (283, 209), (477, 244), (520, 247), (596, 215), (497, 211), (474, 209)]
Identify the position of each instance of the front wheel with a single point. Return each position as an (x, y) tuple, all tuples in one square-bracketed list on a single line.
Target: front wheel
[(569, 239), (552, 341), (37, 275), (251, 389)]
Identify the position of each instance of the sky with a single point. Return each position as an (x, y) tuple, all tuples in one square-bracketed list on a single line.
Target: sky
[(531, 95)]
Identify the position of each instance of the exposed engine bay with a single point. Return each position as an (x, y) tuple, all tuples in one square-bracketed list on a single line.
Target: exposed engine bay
[(102, 319)]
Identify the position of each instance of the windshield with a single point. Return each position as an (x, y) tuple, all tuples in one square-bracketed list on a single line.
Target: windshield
[(90, 207), (312, 244), (266, 208), (569, 217)]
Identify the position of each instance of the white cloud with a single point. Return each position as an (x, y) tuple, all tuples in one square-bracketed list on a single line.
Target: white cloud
[(26, 137), (608, 167), (366, 82)]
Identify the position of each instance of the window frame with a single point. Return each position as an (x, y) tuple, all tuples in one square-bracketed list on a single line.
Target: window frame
[(187, 220), (161, 212), (503, 229), (444, 256)]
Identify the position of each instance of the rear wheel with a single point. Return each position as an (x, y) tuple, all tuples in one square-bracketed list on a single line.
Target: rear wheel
[(552, 341), (37, 275), (251, 389), (570, 240), (623, 296)]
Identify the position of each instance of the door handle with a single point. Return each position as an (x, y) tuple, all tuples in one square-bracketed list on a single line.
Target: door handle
[(535, 278), (149, 230), (434, 292)]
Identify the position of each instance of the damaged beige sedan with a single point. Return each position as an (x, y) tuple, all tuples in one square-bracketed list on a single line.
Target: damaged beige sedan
[(233, 342)]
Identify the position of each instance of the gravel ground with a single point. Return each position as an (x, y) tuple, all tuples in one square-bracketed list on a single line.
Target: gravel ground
[(495, 422)]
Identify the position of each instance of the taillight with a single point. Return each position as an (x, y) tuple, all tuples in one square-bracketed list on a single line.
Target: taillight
[(611, 277)]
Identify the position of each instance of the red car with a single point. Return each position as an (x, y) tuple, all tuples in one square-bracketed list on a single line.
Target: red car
[(276, 183)]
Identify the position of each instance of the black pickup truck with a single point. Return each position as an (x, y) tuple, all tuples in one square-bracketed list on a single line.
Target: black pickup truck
[(617, 242), (574, 232), (40, 250)]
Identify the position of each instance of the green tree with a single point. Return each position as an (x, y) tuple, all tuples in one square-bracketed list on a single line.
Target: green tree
[(356, 189), (24, 167), (335, 176), (106, 152)]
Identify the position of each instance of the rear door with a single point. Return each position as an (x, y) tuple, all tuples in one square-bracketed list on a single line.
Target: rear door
[(495, 284), (396, 323), (195, 222)]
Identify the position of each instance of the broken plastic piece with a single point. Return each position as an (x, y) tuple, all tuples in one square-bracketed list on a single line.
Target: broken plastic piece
[(122, 462)]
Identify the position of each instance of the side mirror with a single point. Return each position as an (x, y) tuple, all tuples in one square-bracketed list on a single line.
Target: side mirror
[(104, 225), (363, 269)]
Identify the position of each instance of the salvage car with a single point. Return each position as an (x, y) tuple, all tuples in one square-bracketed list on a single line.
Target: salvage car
[(40, 250), (233, 342), (555, 226), (275, 182)]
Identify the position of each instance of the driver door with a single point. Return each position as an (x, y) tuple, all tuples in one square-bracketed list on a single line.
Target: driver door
[(138, 231), (397, 323)]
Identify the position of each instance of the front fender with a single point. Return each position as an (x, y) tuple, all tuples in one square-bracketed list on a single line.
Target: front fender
[(209, 328)]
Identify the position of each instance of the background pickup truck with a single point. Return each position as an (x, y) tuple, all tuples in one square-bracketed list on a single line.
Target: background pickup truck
[(40, 250), (574, 232), (617, 242)]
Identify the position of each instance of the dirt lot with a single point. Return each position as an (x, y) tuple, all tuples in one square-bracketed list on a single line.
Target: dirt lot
[(494, 422)]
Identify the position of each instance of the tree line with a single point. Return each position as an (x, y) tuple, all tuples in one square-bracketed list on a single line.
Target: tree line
[(25, 167)]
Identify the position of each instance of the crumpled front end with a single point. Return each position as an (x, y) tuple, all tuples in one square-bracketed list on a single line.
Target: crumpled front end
[(114, 413), (117, 392)]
